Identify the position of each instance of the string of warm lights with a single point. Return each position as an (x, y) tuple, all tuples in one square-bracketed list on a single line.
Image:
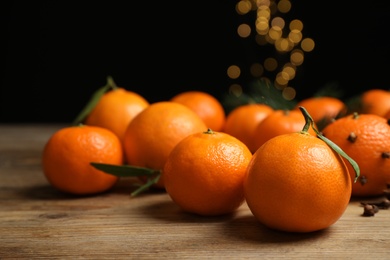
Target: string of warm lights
[(270, 28)]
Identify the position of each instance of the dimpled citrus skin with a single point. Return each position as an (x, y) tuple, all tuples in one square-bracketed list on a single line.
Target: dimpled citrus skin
[(372, 140), (204, 173), (297, 183), (68, 153)]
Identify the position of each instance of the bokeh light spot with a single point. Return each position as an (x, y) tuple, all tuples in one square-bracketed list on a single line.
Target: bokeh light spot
[(233, 72)]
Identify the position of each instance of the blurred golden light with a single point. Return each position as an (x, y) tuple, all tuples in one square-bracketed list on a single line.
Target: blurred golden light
[(264, 13), (290, 70), (279, 86), (275, 33), (283, 45), (262, 27), (270, 28), (270, 64), (284, 75), (235, 89), (296, 57), (260, 39), (289, 93), (284, 6), (261, 3), (269, 39), (244, 30), (278, 23), (257, 70), (296, 25), (295, 36), (243, 7), (233, 72), (282, 79), (307, 44)]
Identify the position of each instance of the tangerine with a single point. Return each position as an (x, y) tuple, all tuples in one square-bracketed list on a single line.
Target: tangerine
[(323, 109), (276, 123), (366, 138), (205, 171), (242, 121), (297, 182), (68, 153), (375, 101), (115, 109), (205, 105), (154, 132)]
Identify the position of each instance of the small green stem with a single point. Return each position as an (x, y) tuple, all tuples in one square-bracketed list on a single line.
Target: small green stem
[(111, 83), (310, 122)]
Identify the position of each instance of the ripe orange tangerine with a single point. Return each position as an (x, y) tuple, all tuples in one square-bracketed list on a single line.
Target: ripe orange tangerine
[(366, 138), (323, 109), (297, 182), (155, 131), (112, 107), (205, 105), (276, 123), (204, 173), (242, 121), (68, 153), (375, 101)]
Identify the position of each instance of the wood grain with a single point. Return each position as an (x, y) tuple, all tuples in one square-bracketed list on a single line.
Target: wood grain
[(36, 221)]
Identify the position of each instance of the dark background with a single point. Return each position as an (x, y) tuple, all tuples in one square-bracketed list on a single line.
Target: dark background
[(57, 53)]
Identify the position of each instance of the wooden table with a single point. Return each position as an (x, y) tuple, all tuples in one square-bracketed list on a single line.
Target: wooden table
[(36, 221)]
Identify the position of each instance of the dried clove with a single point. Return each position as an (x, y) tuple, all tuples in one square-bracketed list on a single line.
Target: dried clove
[(352, 137), (370, 210), (386, 155), (363, 180)]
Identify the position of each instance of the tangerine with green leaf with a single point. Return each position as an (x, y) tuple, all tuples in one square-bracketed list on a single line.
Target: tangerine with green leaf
[(298, 182), (155, 131), (323, 109), (366, 138), (115, 108), (280, 121)]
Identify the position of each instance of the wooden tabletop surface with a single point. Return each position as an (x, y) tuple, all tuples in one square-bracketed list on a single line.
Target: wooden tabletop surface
[(36, 221)]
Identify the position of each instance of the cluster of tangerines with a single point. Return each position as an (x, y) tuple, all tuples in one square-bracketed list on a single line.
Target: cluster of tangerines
[(293, 174)]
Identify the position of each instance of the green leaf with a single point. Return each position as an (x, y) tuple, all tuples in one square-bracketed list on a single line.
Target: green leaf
[(146, 186), (124, 170), (263, 91), (130, 171), (93, 101), (335, 147)]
